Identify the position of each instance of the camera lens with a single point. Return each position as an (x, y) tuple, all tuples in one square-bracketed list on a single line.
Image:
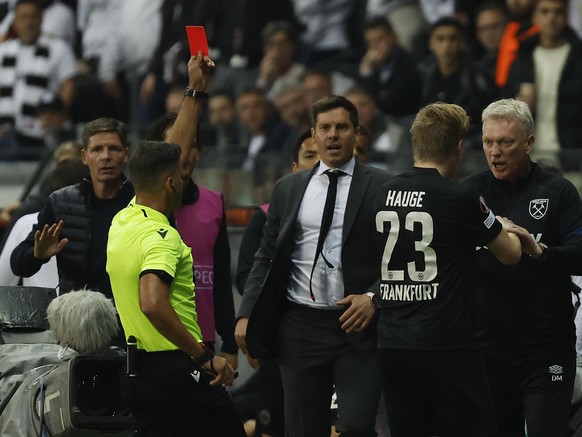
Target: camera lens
[(97, 388)]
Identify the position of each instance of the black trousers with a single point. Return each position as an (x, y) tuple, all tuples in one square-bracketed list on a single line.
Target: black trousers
[(533, 387), (171, 396), (436, 392), (315, 357), (270, 415)]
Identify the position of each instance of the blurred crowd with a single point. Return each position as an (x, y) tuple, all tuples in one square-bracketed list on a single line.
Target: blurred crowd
[(65, 65), (76, 60)]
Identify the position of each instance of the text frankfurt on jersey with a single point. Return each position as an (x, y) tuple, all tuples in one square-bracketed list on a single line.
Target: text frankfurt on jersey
[(408, 293)]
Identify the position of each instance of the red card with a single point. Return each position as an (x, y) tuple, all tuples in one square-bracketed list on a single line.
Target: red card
[(197, 40)]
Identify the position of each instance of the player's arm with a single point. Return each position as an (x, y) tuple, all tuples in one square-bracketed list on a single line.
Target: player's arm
[(154, 303), (185, 128), (506, 247)]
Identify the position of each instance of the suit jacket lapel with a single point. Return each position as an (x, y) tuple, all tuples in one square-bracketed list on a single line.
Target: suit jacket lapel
[(294, 201), (358, 187)]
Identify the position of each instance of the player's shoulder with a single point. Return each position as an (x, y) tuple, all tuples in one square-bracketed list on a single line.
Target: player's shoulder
[(377, 174), (401, 179), (478, 180)]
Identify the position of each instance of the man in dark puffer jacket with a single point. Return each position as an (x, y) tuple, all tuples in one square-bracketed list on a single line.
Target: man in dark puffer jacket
[(74, 222)]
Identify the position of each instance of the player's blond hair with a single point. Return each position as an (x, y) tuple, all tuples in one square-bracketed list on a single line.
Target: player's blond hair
[(437, 130)]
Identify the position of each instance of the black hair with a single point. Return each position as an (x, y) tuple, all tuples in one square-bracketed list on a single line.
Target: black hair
[(158, 129), (491, 6), (275, 26), (332, 102), (298, 143), (104, 125), (379, 23), (449, 22), (223, 92), (150, 161)]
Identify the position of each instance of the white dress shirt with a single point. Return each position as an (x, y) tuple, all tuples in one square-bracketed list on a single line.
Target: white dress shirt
[(549, 65), (327, 282)]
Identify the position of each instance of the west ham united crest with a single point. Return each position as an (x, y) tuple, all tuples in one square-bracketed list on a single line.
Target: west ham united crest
[(538, 208)]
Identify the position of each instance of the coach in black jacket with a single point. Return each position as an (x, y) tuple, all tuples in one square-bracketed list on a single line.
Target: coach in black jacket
[(77, 266), (316, 317), (523, 313), (75, 220)]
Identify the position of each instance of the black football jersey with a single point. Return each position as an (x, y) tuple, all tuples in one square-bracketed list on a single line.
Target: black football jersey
[(427, 230)]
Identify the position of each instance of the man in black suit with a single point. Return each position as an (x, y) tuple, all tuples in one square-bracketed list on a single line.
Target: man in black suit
[(313, 312)]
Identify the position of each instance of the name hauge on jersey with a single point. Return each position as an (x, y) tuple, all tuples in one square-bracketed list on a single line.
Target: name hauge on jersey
[(425, 290), (404, 199)]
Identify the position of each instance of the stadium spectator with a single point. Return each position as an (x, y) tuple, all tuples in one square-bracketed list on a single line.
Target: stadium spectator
[(517, 30), (546, 75), (490, 22), (449, 75), (387, 72), (32, 64)]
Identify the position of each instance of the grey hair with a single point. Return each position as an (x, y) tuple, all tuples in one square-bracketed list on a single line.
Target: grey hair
[(83, 320), (510, 109)]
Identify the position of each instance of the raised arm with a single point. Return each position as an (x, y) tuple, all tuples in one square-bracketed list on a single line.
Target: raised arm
[(185, 128)]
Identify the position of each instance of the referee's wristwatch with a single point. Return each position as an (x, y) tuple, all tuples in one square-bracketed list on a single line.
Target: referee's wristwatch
[(206, 356), (195, 94), (373, 298)]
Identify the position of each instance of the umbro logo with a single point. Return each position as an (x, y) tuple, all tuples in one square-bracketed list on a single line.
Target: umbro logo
[(196, 375), (163, 232), (556, 372)]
